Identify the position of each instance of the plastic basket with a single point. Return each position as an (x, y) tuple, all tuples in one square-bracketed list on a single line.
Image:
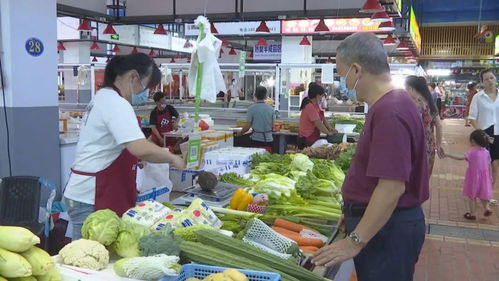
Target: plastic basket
[(202, 271)]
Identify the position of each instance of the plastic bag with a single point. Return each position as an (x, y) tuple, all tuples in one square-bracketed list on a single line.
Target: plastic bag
[(153, 175)]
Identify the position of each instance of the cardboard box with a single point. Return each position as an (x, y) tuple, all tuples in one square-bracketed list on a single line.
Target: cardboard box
[(160, 195)]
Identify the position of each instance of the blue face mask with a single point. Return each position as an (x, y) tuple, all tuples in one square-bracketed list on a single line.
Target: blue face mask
[(351, 94), (140, 98)]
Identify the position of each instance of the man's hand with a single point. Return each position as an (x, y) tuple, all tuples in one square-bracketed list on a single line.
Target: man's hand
[(337, 252)]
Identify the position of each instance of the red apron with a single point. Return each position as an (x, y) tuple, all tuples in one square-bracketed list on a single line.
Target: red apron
[(164, 124), (317, 133), (116, 186)]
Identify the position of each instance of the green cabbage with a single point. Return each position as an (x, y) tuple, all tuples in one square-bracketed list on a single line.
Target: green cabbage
[(275, 185), (127, 243), (301, 162), (102, 226)]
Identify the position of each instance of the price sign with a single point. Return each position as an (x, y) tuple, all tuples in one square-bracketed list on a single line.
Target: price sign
[(34, 47)]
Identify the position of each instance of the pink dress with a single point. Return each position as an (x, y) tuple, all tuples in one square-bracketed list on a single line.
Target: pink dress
[(478, 180)]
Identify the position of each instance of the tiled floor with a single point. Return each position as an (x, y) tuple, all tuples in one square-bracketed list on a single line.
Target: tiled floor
[(447, 258)]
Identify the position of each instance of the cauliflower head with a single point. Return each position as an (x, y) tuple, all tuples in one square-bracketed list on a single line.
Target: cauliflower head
[(85, 254)]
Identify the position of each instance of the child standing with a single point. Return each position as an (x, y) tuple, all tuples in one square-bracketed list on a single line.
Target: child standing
[(478, 179)]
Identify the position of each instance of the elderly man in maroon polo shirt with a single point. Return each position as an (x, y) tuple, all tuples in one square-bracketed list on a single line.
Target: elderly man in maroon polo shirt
[(388, 179)]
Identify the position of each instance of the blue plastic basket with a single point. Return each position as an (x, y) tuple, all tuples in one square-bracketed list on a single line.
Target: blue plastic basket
[(202, 271)]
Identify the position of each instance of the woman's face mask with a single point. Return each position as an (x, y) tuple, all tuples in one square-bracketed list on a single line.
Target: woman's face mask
[(142, 96)]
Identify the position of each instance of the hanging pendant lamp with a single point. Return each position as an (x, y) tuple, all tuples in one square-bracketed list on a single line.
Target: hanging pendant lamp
[(94, 46), (305, 42), (109, 30), (85, 26), (116, 49), (263, 27), (60, 47), (160, 30), (261, 42), (321, 26), (371, 6)]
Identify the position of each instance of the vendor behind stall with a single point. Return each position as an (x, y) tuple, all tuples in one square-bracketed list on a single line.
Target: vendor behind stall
[(163, 119), (111, 142), (312, 120), (260, 118)]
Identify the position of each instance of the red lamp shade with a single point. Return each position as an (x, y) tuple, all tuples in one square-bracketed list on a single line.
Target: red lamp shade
[(263, 27), (380, 17), (305, 42), (389, 41), (213, 28), (261, 42), (94, 59), (85, 26), (386, 26), (134, 50), (160, 30), (172, 60), (116, 49), (232, 52), (109, 29), (402, 46), (225, 43), (152, 53), (94, 46), (60, 47), (321, 26), (371, 6), (187, 44)]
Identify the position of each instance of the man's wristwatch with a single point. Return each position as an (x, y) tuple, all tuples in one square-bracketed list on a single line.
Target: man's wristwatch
[(356, 239)]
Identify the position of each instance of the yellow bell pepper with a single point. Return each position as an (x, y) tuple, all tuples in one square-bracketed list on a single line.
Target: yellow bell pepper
[(236, 198), (246, 200)]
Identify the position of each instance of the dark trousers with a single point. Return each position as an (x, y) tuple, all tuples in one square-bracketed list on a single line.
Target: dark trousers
[(392, 253)]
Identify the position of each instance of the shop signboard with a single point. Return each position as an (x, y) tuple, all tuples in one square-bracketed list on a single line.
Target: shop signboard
[(271, 52), (235, 28), (346, 25), (414, 30), (497, 45), (34, 47)]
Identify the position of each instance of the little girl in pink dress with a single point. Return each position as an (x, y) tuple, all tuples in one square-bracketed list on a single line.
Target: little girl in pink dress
[(478, 179)]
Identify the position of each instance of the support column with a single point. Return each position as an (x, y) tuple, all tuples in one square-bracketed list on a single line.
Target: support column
[(31, 103)]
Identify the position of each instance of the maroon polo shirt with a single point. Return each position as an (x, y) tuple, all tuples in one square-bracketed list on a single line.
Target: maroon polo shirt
[(392, 146)]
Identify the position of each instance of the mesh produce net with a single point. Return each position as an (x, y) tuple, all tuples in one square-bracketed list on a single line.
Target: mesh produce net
[(258, 234)]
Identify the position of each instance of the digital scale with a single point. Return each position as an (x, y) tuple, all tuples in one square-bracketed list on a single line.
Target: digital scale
[(219, 197)]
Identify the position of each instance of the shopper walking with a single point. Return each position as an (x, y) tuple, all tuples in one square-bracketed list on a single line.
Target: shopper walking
[(484, 115), (388, 178), (435, 93), (232, 94), (420, 93), (111, 142), (260, 117), (472, 90), (478, 180), (312, 118)]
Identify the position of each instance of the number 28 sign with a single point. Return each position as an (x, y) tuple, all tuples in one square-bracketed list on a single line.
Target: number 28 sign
[(34, 47)]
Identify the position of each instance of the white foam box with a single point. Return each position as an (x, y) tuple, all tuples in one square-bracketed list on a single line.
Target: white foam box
[(161, 194), (182, 179), (237, 158)]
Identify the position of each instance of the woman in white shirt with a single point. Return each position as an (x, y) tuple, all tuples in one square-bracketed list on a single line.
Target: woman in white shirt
[(111, 142), (484, 115)]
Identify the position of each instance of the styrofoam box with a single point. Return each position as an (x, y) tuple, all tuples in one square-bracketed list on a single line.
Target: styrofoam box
[(160, 195), (239, 158), (182, 179)]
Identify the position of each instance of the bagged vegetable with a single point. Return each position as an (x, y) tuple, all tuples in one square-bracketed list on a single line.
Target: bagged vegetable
[(146, 213), (17, 239), (84, 253), (102, 226), (52, 275), (147, 268), (40, 261), (13, 265)]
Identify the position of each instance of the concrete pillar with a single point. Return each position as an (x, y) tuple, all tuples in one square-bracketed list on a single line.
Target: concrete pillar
[(31, 103)]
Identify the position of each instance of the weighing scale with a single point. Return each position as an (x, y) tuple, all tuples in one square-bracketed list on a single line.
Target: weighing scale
[(219, 197)]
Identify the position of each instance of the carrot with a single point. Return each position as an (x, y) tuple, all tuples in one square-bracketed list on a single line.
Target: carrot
[(309, 249), (291, 225), (301, 241)]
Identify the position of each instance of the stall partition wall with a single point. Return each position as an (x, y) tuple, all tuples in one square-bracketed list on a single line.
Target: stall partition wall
[(29, 138)]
